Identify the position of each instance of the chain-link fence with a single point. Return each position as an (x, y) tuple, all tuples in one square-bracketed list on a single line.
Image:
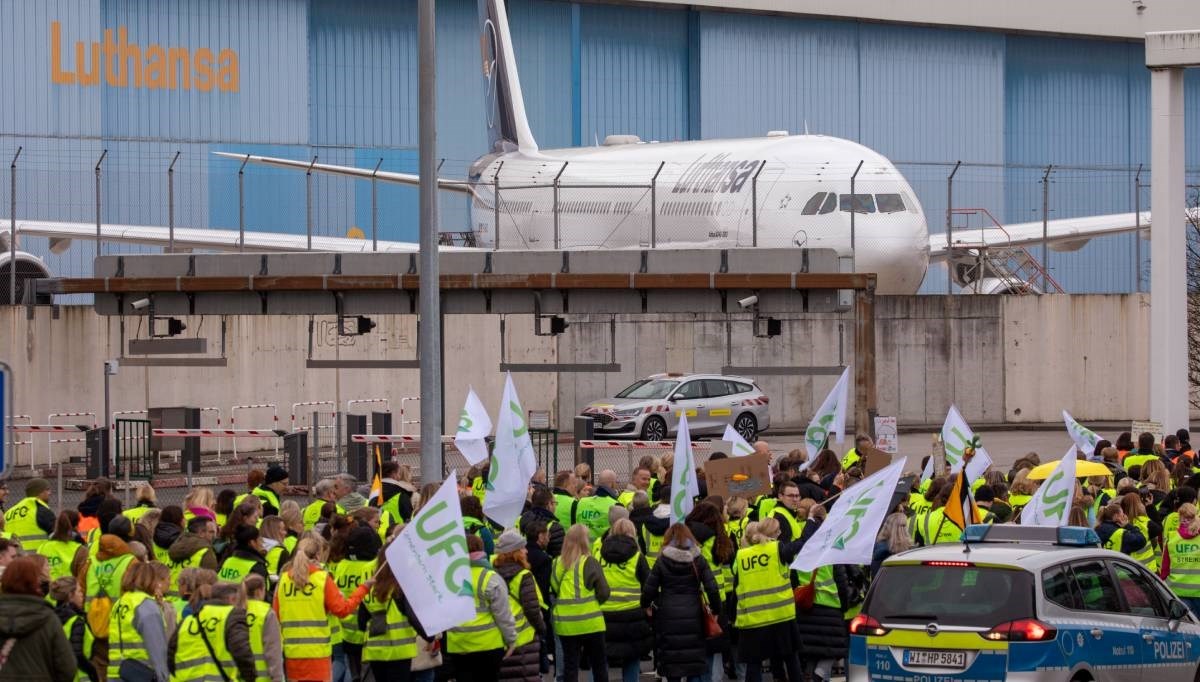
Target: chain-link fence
[(643, 202)]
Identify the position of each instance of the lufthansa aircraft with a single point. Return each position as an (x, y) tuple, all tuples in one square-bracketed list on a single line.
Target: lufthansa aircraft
[(778, 191)]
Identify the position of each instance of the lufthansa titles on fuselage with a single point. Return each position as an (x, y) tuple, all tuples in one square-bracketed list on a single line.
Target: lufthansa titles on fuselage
[(717, 175)]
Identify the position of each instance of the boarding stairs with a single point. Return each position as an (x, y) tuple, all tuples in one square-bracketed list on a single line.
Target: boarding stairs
[(974, 263)]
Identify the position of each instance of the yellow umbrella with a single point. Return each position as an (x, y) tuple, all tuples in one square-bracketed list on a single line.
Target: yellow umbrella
[(1083, 469)]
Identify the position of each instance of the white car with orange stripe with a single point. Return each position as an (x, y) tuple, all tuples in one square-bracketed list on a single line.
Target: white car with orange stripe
[(649, 409)]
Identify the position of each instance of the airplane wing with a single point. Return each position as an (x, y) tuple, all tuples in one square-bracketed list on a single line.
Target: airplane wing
[(350, 171), (189, 238), (1063, 234)]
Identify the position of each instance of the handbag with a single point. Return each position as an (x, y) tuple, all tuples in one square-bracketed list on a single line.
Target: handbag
[(806, 593), (712, 627)]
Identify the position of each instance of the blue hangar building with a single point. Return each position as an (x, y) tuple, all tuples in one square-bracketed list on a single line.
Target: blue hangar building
[(1006, 89)]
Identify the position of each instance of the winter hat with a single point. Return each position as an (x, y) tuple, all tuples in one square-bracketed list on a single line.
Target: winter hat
[(275, 474), (510, 541), (36, 487)]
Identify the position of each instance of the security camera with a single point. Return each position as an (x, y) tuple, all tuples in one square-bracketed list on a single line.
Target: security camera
[(140, 304), (748, 302)]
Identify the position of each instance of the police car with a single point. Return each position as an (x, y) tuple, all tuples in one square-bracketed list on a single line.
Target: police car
[(1022, 603)]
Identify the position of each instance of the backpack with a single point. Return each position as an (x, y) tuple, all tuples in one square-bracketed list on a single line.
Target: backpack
[(98, 611)]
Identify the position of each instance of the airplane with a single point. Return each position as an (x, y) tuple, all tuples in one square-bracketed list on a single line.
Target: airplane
[(777, 191)]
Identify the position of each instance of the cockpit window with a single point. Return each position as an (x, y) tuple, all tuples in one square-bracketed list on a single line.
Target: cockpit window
[(889, 203), (859, 203), (830, 204), (814, 204)]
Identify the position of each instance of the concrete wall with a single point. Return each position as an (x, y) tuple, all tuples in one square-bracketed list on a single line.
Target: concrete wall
[(999, 359)]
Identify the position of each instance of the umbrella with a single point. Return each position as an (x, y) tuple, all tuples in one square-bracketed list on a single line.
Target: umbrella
[(1083, 469)]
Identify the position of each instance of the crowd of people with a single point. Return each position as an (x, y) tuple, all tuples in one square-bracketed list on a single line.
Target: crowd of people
[(252, 585)]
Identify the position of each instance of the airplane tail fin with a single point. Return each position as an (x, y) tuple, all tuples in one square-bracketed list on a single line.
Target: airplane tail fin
[(508, 127)]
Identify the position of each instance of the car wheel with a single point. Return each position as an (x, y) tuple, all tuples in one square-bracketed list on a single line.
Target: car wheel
[(746, 426), (654, 428)]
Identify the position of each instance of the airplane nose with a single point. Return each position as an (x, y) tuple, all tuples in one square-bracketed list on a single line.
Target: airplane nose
[(899, 255)]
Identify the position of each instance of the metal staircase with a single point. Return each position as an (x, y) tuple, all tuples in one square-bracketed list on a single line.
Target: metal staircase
[(975, 263)]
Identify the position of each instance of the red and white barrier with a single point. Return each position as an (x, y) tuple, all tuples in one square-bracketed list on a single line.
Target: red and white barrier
[(313, 403), (50, 428), (261, 406), (645, 444), (219, 433), (51, 441), (400, 438)]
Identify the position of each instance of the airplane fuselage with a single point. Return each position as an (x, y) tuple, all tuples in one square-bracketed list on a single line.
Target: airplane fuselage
[(775, 192)]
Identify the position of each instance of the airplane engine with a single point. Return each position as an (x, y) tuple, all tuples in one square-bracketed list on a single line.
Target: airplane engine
[(29, 267)]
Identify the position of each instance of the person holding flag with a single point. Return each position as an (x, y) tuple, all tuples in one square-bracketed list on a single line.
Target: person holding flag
[(512, 463), (762, 602), (477, 647), (957, 511), (389, 642)]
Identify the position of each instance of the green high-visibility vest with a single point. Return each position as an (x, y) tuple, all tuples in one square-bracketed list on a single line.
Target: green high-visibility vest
[(21, 521), (653, 542), (826, 587), (625, 592), (235, 569), (592, 512), (626, 497), (706, 551), (764, 591), (124, 640), (785, 515), (576, 610), (398, 639), (104, 577), (564, 509), (270, 499), (177, 567), (312, 513), (938, 529), (481, 633), (257, 613), (303, 622), (349, 574), (89, 641), (59, 555), (1184, 578), (135, 514), (479, 488), (192, 658), (1146, 555), (525, 631)]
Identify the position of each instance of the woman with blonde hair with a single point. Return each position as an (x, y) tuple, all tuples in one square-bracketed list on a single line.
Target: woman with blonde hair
[(273, 533), (304, 602), (1021, 491), (1180, 563), (137, 634), (199, 502), (293, 521), (893, 538), (580, 589), (762, 602), (1135, 509)]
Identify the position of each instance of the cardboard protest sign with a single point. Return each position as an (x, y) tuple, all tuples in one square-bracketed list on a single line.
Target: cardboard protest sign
[(747, 476)]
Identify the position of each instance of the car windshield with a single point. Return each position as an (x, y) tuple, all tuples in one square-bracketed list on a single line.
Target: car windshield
[(967, 596), (649, 389)]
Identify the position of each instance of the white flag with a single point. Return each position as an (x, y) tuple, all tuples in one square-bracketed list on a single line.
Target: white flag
[(956, 436), (684, 487), (847, 536), (978, 464), (927, 472), (430, 561), (474, 426), (513, 461), (830, 418), (1085, 438), (740, 447), (1051, 504)]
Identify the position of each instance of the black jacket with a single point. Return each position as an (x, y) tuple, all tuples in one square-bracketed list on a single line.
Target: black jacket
[(1131, 541), (627, 636), (655, 524), (673, 590), (65, 612), (165, 535), (525, 661), (557, 533)]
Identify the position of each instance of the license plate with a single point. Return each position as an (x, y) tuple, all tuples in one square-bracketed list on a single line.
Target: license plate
[(935, 659)]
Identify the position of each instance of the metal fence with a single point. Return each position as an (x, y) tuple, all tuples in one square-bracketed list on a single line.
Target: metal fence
[(750, 202)]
